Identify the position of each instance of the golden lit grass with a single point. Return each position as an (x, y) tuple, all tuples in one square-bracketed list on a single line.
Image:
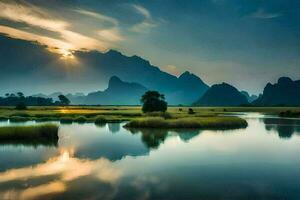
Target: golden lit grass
[(189, 122)]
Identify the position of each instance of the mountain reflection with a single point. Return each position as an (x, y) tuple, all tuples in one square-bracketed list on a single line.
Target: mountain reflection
[(153, 138), (285, 128)]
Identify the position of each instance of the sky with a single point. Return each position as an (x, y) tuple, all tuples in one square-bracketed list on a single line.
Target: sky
[(246, 43)]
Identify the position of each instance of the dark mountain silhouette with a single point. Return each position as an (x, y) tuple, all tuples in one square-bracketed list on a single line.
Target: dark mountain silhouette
[(249, 97), (117, 93), (88, 71), (183, 90), (285, 92), (222, 95)]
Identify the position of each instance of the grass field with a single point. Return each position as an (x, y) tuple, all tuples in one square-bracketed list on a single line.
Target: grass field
[(82, 114)]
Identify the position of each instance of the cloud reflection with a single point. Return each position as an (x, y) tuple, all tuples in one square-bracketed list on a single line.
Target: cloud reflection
[(66, 167)]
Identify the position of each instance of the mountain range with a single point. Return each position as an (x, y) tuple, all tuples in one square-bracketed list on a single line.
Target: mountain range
[(37, 68), (285, 92), (30, 66)]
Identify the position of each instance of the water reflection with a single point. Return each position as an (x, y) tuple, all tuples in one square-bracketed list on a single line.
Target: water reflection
[(283, 126), (99, 162), (153, 138), (114, 127), (92, 141), (55, 176)]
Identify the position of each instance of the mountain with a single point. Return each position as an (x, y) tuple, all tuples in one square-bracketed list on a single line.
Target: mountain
[(249, 98), (222, 95), (86, 71), (285, 92), (117, 93), (190, 88)]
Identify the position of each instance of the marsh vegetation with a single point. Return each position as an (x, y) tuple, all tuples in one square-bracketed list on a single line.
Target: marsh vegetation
[(34, 134)]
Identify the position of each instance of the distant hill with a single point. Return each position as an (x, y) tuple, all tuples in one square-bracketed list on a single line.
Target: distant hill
[(37, 70), (285, 92), (117, 93), (249, 97), (222, 95)]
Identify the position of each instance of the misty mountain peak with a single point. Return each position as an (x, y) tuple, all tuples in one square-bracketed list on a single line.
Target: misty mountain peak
[(186, 74), (284, 80), (113, 52), (114, 81)]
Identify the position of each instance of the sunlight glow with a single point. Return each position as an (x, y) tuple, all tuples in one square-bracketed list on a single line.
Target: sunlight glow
[(66, 54)]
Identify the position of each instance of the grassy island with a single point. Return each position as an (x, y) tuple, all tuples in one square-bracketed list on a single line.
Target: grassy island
[(35, 134), (189, 122)]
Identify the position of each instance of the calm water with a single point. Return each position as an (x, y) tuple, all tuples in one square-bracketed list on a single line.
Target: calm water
[(110, 162)]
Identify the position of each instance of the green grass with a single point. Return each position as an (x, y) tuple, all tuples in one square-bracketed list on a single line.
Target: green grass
[(192, 122), (35, 134), (123, 113)]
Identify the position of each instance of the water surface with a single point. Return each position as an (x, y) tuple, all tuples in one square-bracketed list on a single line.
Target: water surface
[(110, 162)]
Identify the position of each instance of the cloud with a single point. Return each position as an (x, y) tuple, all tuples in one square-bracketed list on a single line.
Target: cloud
[(172, 69), (32, 15), (142, 11), (110, 35), (146, 23), (262, 14), (66, 167), (67, 38), (97, 16), (21, 34)]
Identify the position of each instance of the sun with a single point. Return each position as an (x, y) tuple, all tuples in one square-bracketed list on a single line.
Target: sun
[(66, 54)]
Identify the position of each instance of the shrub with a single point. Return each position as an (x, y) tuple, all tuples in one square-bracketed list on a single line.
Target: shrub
[(100, 120), (66, 120), (80, 119), (19, 119), (191, 111), (3, 118)]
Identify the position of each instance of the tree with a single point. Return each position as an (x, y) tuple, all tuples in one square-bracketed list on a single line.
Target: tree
[(153, 101), (21, 106), (20, 94), (64, 100)]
